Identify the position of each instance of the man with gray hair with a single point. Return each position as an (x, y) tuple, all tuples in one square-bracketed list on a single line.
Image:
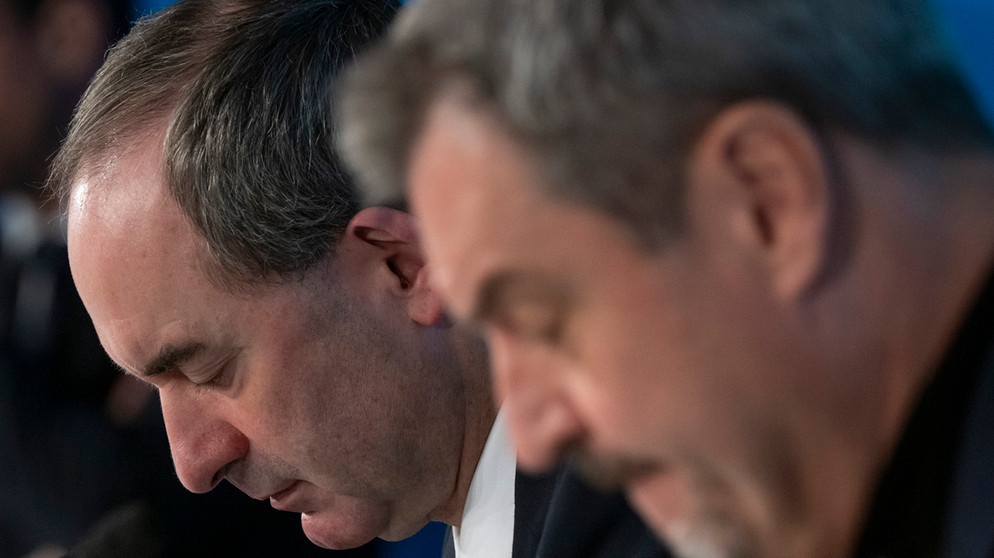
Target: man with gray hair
[(731, 255), (296, 347)]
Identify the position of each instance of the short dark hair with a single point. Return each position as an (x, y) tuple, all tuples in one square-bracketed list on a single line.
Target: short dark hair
[(244, 90), (608, 95)]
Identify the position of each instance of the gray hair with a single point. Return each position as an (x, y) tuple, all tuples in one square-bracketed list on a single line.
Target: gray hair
[(608, 95), (244, 90)]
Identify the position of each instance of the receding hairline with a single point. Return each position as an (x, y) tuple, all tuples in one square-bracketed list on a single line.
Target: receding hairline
[(148, 140), (96, 163)]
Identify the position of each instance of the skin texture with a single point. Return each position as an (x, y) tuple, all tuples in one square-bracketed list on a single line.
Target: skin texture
[(737, 382), (339, 396)]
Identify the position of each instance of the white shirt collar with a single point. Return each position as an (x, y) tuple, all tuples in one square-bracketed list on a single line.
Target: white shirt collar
[(487, 529)]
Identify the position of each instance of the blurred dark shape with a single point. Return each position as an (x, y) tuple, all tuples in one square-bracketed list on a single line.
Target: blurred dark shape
[(131, 530), (60, 456)]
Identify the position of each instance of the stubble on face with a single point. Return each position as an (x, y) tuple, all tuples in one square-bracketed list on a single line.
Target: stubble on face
[(698, 523), (703, 521), (381, 415)]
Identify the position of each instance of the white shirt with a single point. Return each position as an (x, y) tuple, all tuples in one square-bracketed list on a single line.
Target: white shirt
[(487, 529)]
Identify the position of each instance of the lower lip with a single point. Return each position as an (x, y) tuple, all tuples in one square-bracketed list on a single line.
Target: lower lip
[(282, 500)]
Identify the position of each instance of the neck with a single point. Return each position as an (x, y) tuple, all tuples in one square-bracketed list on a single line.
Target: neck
[(481, 411), (921, 255), (937, 252)]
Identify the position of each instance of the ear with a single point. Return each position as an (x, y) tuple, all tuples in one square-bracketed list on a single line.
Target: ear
[(393, 234), (72, 37), (765, 177)]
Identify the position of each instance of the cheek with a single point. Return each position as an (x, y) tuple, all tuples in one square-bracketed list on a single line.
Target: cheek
[(619, 380), (280, 400), (319, 412), (644, 373), (295, 406), (632, 422)]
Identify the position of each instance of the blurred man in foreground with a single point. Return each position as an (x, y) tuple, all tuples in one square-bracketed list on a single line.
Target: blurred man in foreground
[(734, 256)]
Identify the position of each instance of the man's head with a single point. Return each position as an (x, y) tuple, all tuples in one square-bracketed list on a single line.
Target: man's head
[(221, 253), (684, 227)]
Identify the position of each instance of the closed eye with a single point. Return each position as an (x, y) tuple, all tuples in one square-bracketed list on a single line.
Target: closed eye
[(217, 376), (537, 322), (531, 308)]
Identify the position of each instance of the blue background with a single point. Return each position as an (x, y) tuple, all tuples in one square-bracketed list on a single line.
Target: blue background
[(970, 24)]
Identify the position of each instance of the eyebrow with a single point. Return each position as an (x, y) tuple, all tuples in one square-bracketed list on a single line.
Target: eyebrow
[(496, 291), (489, 296), (171, 357)]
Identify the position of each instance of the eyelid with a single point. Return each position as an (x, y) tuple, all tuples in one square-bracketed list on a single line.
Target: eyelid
[(533, 315), (530, 307), (536, 321), (220, 374)]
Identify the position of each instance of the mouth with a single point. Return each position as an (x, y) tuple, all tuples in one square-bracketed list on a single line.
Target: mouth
[(285, 500)]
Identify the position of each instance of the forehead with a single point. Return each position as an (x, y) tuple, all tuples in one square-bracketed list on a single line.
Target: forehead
[(121, 187), (485, 211), (132, 254)]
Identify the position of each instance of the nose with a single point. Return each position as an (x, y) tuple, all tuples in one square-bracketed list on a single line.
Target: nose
[(203, 444), (530, 381)]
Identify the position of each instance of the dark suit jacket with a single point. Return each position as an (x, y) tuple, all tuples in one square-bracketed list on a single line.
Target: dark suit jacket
[(970, 518), (558, 516), (936, 496)]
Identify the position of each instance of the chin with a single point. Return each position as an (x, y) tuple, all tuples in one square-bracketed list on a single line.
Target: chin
[(335, 533), (710, 539), (691, 524)]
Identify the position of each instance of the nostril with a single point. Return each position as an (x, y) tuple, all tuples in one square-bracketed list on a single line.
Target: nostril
[(203, 459), (219, 476), (232, 469)]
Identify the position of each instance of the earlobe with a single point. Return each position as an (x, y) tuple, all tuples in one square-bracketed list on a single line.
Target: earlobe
[(424, 305), (769, 168), (393, 235)]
